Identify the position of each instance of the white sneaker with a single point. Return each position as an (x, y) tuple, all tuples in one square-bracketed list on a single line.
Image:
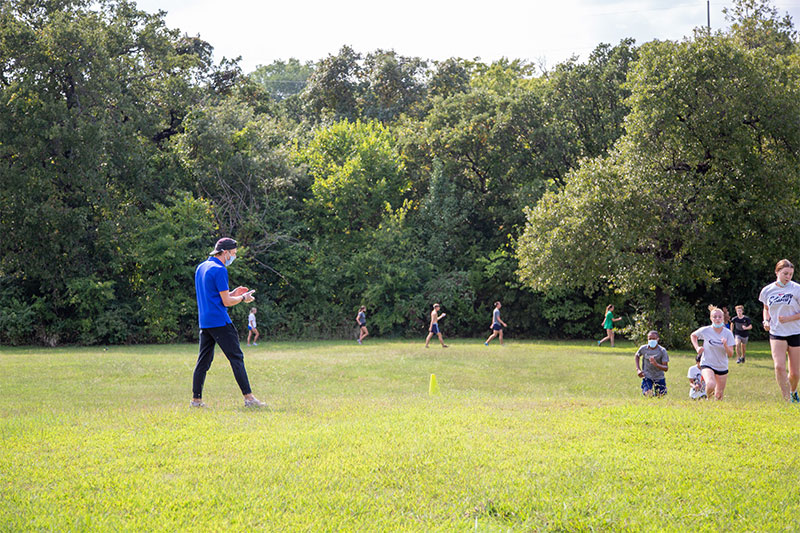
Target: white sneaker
[(255, 402)]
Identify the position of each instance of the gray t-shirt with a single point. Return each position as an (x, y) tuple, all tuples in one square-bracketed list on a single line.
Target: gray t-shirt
[(650, 370), (714, 353)]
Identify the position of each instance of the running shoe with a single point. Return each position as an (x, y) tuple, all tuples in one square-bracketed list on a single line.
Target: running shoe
[(794, 397), (254, 403)]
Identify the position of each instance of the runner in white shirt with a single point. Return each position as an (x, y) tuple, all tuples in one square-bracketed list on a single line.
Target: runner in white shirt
[(251, 327), (781, 311), (717, 347)]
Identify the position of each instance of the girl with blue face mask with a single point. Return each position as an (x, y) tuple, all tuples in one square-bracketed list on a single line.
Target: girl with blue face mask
[(716, 349)]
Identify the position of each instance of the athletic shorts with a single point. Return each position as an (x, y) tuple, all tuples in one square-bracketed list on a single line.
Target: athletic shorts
[(250, 329), (435, 328), (363, 325), (791, 340), (717, 372), (658, 386), (740, 339), (497, 327)]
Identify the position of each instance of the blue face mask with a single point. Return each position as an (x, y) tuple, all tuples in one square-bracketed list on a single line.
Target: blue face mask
[(229, 260), (652, 343), (717, 326), (781, 285)]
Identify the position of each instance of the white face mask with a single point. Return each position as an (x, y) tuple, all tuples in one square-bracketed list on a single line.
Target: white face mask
[(652, 343)]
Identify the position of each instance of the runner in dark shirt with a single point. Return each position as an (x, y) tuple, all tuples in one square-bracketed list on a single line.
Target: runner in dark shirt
[(741, 326)]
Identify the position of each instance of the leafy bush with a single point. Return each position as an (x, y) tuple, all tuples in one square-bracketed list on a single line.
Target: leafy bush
[(682, 322), (172, 241), (18, 318)]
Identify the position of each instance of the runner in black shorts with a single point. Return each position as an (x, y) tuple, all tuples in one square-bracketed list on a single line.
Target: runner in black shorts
[(716, 349), (781, 313)]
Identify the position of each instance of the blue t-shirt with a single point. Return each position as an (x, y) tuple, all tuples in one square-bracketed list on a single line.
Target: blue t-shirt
[(496, 316), (362, 318), (211, 278)]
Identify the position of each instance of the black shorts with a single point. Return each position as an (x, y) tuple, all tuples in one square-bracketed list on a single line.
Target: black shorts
[(791, 340), (717, 372)]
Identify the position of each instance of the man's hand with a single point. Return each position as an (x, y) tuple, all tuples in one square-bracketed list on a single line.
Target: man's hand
[(238, 291)]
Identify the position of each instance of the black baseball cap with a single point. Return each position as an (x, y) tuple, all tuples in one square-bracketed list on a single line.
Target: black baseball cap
[(225, 243)]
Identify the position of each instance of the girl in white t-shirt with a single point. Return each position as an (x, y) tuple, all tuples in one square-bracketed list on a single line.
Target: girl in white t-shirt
[(716, 349), (781, 311)]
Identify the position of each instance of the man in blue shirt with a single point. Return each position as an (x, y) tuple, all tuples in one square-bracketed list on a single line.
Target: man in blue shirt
[(216, 327)]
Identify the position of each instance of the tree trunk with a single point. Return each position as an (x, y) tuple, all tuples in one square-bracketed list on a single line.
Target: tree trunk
[(662, 311)]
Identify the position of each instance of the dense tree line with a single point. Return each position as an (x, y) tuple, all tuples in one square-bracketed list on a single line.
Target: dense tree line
[(659, 177)]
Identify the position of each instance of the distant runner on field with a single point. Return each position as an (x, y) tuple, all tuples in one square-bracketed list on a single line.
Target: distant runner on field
[(497, 325), (433, 329), (608, 325), (361, 320)]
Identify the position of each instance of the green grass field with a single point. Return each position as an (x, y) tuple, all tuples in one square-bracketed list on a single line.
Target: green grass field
[(533, 436)]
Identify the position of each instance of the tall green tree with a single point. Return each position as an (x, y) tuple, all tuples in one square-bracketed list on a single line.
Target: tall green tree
[(358, 176), (450, 77), (589, 99), (709, 162), (282, 79), (758, 24), (393, 84), (335, 86), (91, 93)]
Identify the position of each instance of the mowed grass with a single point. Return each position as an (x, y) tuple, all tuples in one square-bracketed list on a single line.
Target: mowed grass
[(533, 436)]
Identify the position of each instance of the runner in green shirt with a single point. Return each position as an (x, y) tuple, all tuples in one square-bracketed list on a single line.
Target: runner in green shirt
[(608, 325)]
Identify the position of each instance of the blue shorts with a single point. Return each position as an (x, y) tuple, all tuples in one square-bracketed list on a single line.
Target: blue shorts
[(658, 386), (435, 328), (249, 328), (497, 327)]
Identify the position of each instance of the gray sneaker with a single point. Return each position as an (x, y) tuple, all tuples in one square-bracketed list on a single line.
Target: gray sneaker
[(255, 402)]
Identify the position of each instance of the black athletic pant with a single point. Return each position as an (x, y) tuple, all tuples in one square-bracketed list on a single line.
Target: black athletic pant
[(228, 339)]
